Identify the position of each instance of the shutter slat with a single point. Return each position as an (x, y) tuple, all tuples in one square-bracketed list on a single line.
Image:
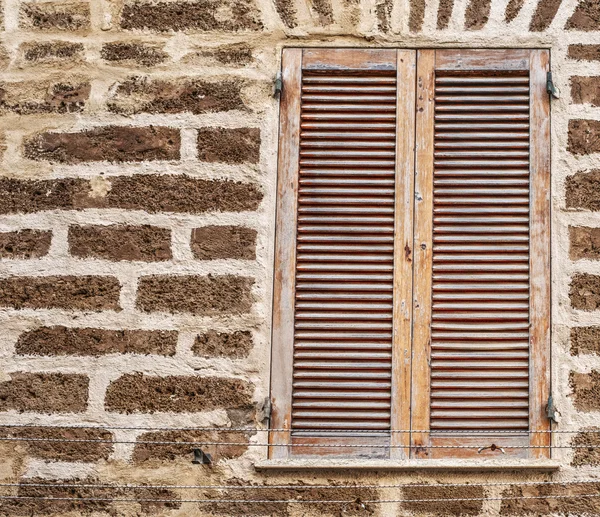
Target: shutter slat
[(480, 311)]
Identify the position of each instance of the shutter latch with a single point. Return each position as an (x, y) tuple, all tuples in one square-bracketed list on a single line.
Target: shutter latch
[(492, 448), (551, 411), (277, 85), (201, 457), (552, 90)]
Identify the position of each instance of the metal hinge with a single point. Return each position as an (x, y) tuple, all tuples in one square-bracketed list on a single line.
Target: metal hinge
[(277, 85), (551, 411), (552, 90)]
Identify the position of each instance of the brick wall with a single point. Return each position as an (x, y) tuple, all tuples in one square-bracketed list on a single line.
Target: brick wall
[(137, 186)]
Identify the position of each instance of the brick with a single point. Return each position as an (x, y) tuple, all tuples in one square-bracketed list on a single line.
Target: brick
[(31, 98), (86, 293), (584, 136), (545, 504), (584, 52), (160, 453), (202, 295), (585, 340), (110, 143), (585, 292), (513, 8), (141, 95), (229, 145), (477, 14), (55, 16), (24, 244), (585, 390), (586, 17), (287, 12), (44, 392), (444, 508), (62, 451), (224, 242), (52, 52), (583, 456), (583, 190), (544, 14), (57, 340), (235, 345), (137, 393), (444, 14), (417, 15), (120, 242), (585, 90), (133, 53), (147, 192), (199, 15), (585, 243), (69, 500)]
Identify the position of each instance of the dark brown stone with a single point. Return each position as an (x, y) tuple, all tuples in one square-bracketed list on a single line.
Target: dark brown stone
[(236, 54), (584, 136), (585, 243), (159, 453), (444, 13), (224, 242), (52, 51), (134, 53), (287, 12), (44, 392), (417, 15), (199, 15), (235, 345), (584, 52), (84, 500), (542, 503), (120, 242), (110, 143), (141, 95), (585, 90), (586, 17), (24, 244), (444, 508), (181, 193), (585, 292), (56, 450), (217, 144), (477, 14), (56, 98), (48, 341), (585, 340), (324, 10), (55, 16), (203, 295), (513, 9), (383, 11), (85, 293), (586, 390), (137, 393), (544, 14), (583, 190), (586, 451)]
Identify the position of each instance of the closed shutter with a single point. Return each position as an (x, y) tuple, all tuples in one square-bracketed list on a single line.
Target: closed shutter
[(341, 279), (486, 258)]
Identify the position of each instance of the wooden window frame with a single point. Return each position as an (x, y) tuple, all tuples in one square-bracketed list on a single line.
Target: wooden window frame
[(413, 236)]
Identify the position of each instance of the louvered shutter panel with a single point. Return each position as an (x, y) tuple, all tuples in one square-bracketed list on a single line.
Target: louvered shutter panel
[(488, 265), (336, 322)]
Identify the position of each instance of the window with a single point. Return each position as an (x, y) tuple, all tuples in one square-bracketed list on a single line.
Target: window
[(412, 267)]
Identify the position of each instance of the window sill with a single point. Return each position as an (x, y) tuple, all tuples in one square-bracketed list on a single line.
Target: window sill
[(408, 465)]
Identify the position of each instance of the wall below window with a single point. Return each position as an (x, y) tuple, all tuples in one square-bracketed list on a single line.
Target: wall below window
[(137, 195)]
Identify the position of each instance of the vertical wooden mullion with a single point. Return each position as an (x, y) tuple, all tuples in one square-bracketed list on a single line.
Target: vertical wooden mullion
[(422, 247), (403, 261), (539, 255), (285, 253)]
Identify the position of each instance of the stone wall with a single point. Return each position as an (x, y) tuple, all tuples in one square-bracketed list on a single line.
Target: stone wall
[(137, 195)]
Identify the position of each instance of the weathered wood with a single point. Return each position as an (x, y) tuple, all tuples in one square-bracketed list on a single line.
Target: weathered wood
[(501, 59), (324, 59)]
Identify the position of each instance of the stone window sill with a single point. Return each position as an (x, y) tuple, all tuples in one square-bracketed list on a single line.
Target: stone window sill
[(408, 465)]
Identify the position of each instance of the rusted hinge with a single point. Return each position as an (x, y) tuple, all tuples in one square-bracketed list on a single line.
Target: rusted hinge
[(551, 411), (277, 85), (552, 90)]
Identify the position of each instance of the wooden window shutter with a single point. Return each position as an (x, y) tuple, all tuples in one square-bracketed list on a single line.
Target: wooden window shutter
[(482, 259), (343, 211)]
